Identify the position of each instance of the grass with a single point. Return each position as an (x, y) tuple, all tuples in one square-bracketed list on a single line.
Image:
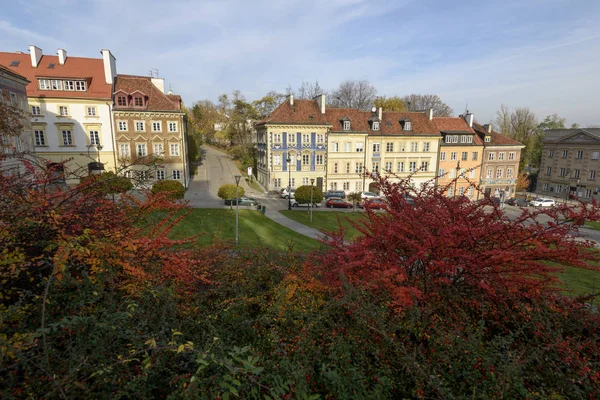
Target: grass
[(326, 220), (593, 225), (580, 281), (255, 230)]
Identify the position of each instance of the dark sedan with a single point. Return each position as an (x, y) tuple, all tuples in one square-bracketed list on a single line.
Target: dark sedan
[(242, 201), (338, 203)]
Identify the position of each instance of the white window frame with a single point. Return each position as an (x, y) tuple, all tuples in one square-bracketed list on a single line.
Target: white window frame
[(425, 166), (69, 85), (292, 138), (94, 136), (44, 84), (137, 126), (67, 137), (511, 156), (80, 86), (346, 125), (407, 126), (319, 159), (156, 126), (56, 84), (36, 110), (389, 146), (358, 168), (412, 166), (426, 146), (335, 146), (453, 155), (491, 156), (174, 150), (93, 113), (173, 126), (305, 159), (375, 125), (501, 156), (176, 174), (124, 150), (388, 166), (122, 125), (160, 174), (414, 146), (360, 147), (276, 159), (159, 149), (443, 156), (65, 109), (141, 150), (376, 147), (39, 136)]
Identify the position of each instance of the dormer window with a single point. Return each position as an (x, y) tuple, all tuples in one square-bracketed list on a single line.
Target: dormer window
[(407, 126), (138, 101), (488, 138), (375, 125), (122, 101), (346, 125)]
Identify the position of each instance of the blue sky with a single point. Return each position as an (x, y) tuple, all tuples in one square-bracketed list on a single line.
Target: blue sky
[(541, 54)]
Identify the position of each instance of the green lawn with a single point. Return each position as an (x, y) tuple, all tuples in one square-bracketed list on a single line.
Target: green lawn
[(254, 230), (580, 281), (323, 220), (593, 225)]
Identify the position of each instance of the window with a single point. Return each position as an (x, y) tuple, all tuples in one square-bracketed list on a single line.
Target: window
[(305, 138), (463, 138), (347, 147), (305, 159), (442, 172), (453, 156), (91, 111), (63, 110), (346, 125), (56, 84), (158, 149), (400, 167), (464, 156), (471, 191), (293, 182), (121, 101), (333, 186), (499, 173), (426, 146), (491, 156), (172, 126), (359, 147), (160, 174), (548, 171), (141, 150), (592, 175), (277, 160), (509, 172), (140, 126), (319, 159), (511, 155), (579, 154), (375, 147), (488, 138), (40, 138), (461, 191), (452, 173), (18, 144), (138, 101), (501, 156), (565, 153), (472, 173), (562, 172), (545, 187), (346, 186), (142, 175), (443, 156), (80, 86), (67, 138), (292, 138), (412, 166), (122, 125), (489, 173), (375, 167), (359, 168), (414, 146), (124, 149), (335, 168), (388, 166), (94, 137), (357, 186), (35, 110), (474, 157), (44, 84), (450, 191), (348, 168), (13, 99), (588, 193), (277, 182), (69, 85), (334, 147), (407, 126), (277, 138), (305, 181), (425, 166), (176, 174), (454, 138), (320, 138), (595, 155), (576, 173), (448, 139), (550, 153), (389, 146), (375, 125)]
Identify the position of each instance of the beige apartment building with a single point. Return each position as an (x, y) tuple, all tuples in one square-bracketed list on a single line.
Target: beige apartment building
[(149, 130), (570, 164)]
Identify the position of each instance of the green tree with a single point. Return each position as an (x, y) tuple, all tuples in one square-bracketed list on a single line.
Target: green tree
[(175, 189), (553, 121), (302, 194), (228, 191), (354, 198), (522, 125), (393, 103)]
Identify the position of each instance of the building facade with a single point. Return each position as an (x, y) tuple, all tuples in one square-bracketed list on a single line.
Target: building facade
[(460, 157), (570, 163), (17, 143), (150, 130), (70, 103)]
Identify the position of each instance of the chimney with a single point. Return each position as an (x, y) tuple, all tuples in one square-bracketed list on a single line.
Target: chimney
[(321, 102), (62, 56), (431, 114), (469, 118), (159, 83), (36, 55), (380, 113), (489, 128), (291, 97), (110, 66)]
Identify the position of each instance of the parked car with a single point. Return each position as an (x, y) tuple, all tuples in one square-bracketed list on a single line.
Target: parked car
[(338, 203), (296, 204), (368, 195), (374, 204), (284, 193), (517, 201), (242, 201), (335, 193), (543, 202)]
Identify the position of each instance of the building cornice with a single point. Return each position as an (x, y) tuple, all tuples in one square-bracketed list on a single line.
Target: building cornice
[(141, 114)]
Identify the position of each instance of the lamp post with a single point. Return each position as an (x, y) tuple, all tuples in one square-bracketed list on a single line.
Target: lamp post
[(237, 207), (456, 181), (99, 147), (289, 160), (312, 181)]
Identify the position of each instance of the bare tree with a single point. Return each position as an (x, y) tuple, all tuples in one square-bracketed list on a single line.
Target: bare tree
[(309, 90), (354, 94), (421, 102), (502, 122), (522, 126)]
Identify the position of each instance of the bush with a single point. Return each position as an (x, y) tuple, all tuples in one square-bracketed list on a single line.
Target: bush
[(176, 189), (106, 183), (227, 192), (302, 194)]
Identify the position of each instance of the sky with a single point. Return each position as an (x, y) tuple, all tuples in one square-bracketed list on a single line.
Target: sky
[(475, 55)]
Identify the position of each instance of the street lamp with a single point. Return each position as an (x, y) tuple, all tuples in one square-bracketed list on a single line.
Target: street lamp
[(312, 181), (289, 160), (237, 207), (99, 147), (456, 180)]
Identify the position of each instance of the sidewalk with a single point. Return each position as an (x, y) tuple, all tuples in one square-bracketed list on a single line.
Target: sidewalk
[(276, 216)]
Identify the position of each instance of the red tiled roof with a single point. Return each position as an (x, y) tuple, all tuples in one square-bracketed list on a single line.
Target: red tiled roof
[(176, 99), (421, 125), (157, 100), (497, 139), (452, 124), (90, 69), (302, 112), (10, 71), (358, 120)]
